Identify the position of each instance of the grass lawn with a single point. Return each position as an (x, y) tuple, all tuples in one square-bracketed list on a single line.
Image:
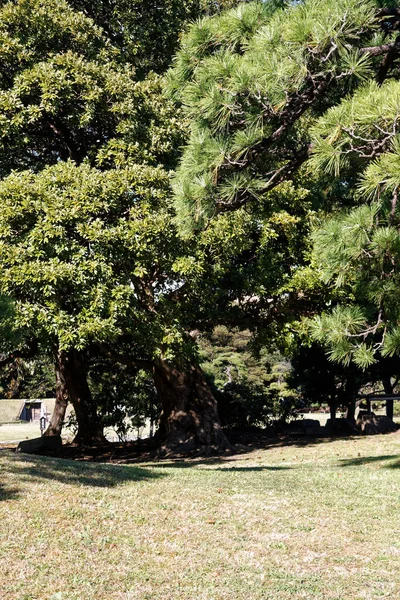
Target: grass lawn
[(289, 522), (18, 431)]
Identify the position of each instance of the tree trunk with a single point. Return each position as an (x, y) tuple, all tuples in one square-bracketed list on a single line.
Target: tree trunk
[(389, 409), (72, 374), (60, 407), (189, 418), (388, 387), (351, 410), (351, 389), (332, 410)]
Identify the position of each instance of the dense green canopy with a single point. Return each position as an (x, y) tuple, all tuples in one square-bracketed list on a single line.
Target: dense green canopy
[(253, 81), (77, 247)]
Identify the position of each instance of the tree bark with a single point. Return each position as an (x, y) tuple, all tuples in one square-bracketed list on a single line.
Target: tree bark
[(60, 407), (351, 410), (350, 393), (189, 418), (73, 380), (332, 410), (388, 387)]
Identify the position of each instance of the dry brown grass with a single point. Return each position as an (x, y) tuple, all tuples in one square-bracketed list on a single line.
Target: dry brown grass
[(318, 521)]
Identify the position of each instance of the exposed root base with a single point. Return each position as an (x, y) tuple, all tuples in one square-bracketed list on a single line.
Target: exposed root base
[(189, 445), (98, 442)]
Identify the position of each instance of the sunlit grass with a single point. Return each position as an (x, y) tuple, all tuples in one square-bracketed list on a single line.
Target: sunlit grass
[(20, 430), (298, 522)]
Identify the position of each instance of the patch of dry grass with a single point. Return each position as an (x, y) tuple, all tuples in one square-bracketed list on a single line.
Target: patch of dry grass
[(20, 430), (296, 522)]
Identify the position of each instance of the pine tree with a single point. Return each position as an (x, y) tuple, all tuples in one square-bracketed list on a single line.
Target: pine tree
[(274, 91), (358, 251), (254, 80)]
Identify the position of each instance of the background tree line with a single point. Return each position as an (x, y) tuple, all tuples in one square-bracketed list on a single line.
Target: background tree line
[(250, 187)]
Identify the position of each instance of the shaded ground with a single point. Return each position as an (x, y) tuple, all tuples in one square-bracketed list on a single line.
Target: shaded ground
[(148, 449), (23, 430)]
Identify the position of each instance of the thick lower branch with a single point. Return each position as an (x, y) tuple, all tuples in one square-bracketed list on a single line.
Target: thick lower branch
[(72, 374), (123, 359), (382, 49)]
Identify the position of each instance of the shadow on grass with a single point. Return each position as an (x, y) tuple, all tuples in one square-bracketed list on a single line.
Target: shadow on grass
[(7, 493), (367, 460), (37, 468), (248, 441), (216, 461), (251, 443), (255, 469)]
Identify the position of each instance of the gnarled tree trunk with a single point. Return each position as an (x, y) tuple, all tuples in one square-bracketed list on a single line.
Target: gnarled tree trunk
[(189, 418), (72, 375), (62, 398)]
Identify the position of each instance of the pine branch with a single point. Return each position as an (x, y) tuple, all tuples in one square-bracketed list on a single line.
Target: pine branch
[(382, 49), (296, 106), (276, 177)]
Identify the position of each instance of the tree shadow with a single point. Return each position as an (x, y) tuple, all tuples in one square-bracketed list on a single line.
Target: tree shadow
[(180, 464), (252, 443), (366, 460), (255, 469), (7, 493), (37, 468), (249, 441)]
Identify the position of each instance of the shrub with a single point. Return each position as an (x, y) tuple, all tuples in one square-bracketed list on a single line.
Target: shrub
[(243, 404)]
